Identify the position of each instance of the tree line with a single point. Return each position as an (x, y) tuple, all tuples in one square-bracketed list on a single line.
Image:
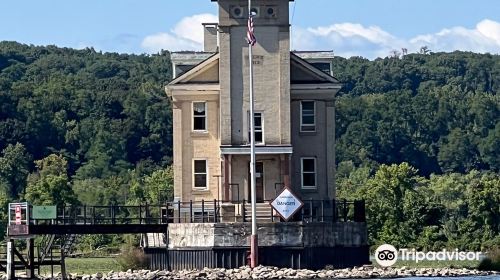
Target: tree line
[(83, 127), (73, 120), (418, 137), (438, 112)]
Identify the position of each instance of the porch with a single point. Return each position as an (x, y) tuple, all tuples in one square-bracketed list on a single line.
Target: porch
[(272, 172)]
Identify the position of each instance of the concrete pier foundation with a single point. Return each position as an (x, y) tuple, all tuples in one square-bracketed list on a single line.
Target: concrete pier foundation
[(294, 245)]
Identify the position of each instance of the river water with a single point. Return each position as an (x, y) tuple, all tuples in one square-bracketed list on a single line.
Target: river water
[(492, 277)]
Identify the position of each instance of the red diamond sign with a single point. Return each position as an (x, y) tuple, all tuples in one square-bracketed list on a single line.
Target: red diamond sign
[(287, 204)]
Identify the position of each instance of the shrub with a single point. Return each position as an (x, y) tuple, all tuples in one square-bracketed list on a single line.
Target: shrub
[(492, 261), (132, 258)]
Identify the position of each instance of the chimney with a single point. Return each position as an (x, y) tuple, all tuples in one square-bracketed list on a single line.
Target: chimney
[(210, 37)]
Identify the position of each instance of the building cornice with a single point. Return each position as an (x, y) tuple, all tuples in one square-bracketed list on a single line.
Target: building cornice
[(259, 150), (182, 91)]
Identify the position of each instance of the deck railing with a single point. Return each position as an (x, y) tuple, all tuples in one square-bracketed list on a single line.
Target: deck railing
[(204, 211)]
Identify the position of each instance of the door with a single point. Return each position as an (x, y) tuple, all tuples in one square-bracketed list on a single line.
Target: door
[(259, 181)]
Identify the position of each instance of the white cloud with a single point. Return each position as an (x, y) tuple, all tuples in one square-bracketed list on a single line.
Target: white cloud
[(348, 39), (489, 29), (166, 41), (345, 39), (187, 34)]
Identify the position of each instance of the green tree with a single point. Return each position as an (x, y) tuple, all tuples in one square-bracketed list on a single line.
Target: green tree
[(391, 199), (458, 152), (14, 169), (50, 185), (490, 148), (155, 188)]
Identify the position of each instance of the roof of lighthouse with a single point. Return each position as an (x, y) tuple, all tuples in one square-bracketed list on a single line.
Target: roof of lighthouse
[(301, 72)]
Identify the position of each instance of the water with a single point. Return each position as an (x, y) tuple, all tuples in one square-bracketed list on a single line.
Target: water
[(491, 277)]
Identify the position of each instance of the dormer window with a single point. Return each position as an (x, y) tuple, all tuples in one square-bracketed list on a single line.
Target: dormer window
[(323, 66)]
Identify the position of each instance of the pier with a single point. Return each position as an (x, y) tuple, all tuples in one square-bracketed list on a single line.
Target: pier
[(200, 227)]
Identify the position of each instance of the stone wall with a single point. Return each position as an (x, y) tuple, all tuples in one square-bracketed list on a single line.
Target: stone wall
[(210, 235)]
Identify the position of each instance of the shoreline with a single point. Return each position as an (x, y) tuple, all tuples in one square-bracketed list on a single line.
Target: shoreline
[(262, 272)]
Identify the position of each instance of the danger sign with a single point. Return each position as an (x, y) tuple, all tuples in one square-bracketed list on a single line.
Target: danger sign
[(287, 204)]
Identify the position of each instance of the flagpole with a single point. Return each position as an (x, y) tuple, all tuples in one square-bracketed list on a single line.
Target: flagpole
[(254, 238)]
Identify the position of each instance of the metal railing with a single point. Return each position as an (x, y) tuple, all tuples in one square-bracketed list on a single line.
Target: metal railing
[(204, 211)]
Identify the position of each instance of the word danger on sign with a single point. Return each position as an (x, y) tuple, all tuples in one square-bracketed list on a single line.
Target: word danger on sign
[(286, 204)]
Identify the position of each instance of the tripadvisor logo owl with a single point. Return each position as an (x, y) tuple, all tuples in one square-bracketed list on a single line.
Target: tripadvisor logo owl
[(386, 255)]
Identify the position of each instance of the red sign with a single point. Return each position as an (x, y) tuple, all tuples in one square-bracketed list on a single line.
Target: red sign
[(18, 215)]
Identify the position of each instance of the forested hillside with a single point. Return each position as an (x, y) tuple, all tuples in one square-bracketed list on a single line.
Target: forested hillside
[(438, 112), (106, 116), (441, 114), (80, 126)]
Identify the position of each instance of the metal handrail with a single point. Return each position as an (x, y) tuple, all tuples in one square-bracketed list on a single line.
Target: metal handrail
[(199, 211)]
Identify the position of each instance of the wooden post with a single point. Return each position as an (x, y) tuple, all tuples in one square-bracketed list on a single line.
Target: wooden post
[(51, 263), (63, 264), (11, 267), (31, 258)]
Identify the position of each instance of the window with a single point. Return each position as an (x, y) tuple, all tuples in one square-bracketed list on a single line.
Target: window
[(259, 128), (323, 66), (308, 170), (200, 174), (307, 116), (199, 116)]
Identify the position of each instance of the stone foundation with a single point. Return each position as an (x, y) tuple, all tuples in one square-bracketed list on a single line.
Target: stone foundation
[(297, 234), (295, 245)]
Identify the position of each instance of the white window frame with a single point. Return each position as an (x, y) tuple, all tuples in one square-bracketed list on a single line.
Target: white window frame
[(308, 172), (193, 117), (194, 174), (302, 114), (261, 129)]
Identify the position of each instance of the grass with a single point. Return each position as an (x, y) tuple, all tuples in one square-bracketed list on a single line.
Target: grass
[(85, 266)]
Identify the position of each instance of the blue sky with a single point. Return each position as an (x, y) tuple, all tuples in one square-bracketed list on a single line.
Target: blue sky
[(369, 28)]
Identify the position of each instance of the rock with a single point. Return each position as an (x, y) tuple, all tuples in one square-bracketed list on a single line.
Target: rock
[(265, 273)]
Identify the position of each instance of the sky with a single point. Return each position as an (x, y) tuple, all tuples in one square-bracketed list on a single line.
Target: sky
[(368, 28)]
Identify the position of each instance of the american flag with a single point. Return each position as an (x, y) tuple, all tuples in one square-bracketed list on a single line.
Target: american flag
[(250, 35)]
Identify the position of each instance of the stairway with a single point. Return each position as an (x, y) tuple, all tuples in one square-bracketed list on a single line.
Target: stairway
[(263, 212), (51, 247)]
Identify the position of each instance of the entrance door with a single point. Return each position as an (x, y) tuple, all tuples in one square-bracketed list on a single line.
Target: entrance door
[(259, 181)]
